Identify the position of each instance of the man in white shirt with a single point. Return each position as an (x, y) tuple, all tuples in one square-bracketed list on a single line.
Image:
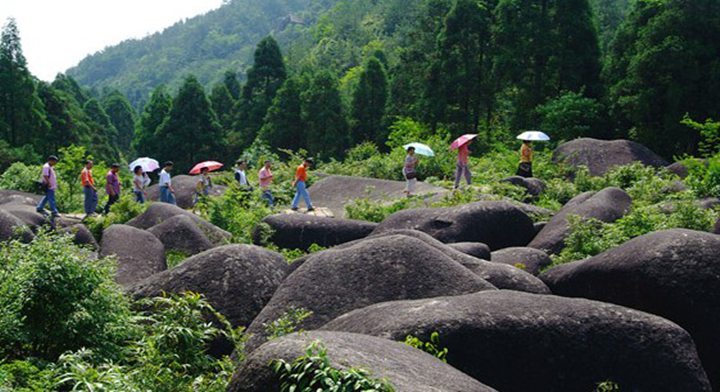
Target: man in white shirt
[(167, 193), (240, 176)]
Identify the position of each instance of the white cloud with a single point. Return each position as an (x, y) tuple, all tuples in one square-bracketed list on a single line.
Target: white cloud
[(57, 34)]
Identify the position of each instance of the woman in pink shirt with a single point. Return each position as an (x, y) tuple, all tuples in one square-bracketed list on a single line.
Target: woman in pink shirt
[(462, 165), (266, 178)]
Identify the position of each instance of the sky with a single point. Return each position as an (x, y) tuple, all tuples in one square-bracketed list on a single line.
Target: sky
[(57, 34)]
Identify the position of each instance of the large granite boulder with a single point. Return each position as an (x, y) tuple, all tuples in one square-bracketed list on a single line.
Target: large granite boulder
[(81, 235), (10, 196), (335, 192), (158, 213), (405, 368), (300, 231), (237, 280), (375, 270), (474, 249), (12, 227), (182, 234), (518, 342), (673, 273), (533, 186), (608, 205), (498, 224), (528, 259), (599, 156), (185, 189), (26, 213), (139, 254)]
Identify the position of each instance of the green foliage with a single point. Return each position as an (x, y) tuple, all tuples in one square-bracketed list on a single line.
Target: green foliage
[(433, 347), (174, 258), (25, 376), (571, 116), (704, 177), (122, 117), (147, 140), (324, 116), (369, 103), (284, 127), (608, 386), (709, 134), (237, 212), (287, 323), (55, 298), (21, 177), (120, 213), (314, 372)]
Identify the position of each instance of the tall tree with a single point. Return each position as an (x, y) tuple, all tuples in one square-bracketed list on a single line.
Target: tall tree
[(284, 127), (231, 83), (664, 63), (146, 141), (323, 113), (191, 133), (22, 115), (122, 116), (369, 101), (102, 133), (544, 48), (264, 79), (223, 103)]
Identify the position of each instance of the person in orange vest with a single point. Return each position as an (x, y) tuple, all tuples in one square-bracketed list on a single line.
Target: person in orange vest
[(300, 185), (88, 184)]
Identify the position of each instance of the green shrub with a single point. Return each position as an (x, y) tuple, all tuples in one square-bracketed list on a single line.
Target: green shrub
[(608, 386), (571, 115), (287, 323), (21, 177), (56, 298), (174, 257), (313, 372), (433, 347), (237, 212), (120, 213), (25, 376), (704, 177)]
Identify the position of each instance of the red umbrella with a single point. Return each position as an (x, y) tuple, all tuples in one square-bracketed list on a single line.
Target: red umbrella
[(463, 140), (210, 165)]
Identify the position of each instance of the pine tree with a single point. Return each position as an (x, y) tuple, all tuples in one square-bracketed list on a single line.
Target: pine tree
[(191, 133), (264, 79), (284, 127), (122, 116), (231, 83), (323, 114), (147, 140), (101, 131), (369, 103), (223, 103)]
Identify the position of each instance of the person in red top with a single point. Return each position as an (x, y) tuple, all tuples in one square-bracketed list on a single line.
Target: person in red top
[(462, 165), (88, 183), (301, 186)]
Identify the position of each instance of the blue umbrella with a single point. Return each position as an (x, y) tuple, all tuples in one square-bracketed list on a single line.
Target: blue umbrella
[(421, 149), (534, 136)]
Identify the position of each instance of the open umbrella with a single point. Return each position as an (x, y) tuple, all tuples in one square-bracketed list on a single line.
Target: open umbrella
[(210, 165), (421, 149), (534, 136), (148, 165), (463, 140)]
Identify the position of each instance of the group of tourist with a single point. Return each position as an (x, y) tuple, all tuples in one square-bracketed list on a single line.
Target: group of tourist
[(141, 181), (462, 169)]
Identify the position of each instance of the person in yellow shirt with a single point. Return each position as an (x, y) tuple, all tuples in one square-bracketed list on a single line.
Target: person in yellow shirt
[(526, 157)]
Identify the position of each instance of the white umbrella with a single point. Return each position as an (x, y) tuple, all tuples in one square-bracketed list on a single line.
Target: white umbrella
[(148, 164), (534, 136), (421, 149)]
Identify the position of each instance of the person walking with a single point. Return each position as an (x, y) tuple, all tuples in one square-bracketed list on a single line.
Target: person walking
[(89, 189), (203, 186), (167, 192), (112, 187), (241, 177), (140, 182), (300, 185), (462, 165), (48, 184), (266, 178), (411, 162), (526, 157)]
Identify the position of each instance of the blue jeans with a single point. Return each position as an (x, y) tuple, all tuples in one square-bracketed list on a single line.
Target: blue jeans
[(269, 197), (139, 197), (91, 200), (48, 199), (462, 169), (301, 192), (166, 196)]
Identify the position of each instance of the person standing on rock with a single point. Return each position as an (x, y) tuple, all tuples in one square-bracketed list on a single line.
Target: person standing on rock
[(266, 178), (167, 193), (140, 182), (411, 162), (89, 189), (204, 184), (48, 184), (300, 185), (112, 187), (526, 157), (462, 165)]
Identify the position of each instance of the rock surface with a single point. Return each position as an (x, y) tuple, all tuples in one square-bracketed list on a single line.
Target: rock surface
[(81, 235), (498, 224), (533, 260), (182, 234), (533, 186), (599, 156), (474, 249), (300, 231), (608, 205), (405, 368), (11, 227), (26, 213), (138, 253), (158, 213), (185, 190), (10, 196), (518, 342), (376, 270), (673, 273)]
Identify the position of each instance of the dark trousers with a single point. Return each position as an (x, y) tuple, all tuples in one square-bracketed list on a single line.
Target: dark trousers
[(112, 199)]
